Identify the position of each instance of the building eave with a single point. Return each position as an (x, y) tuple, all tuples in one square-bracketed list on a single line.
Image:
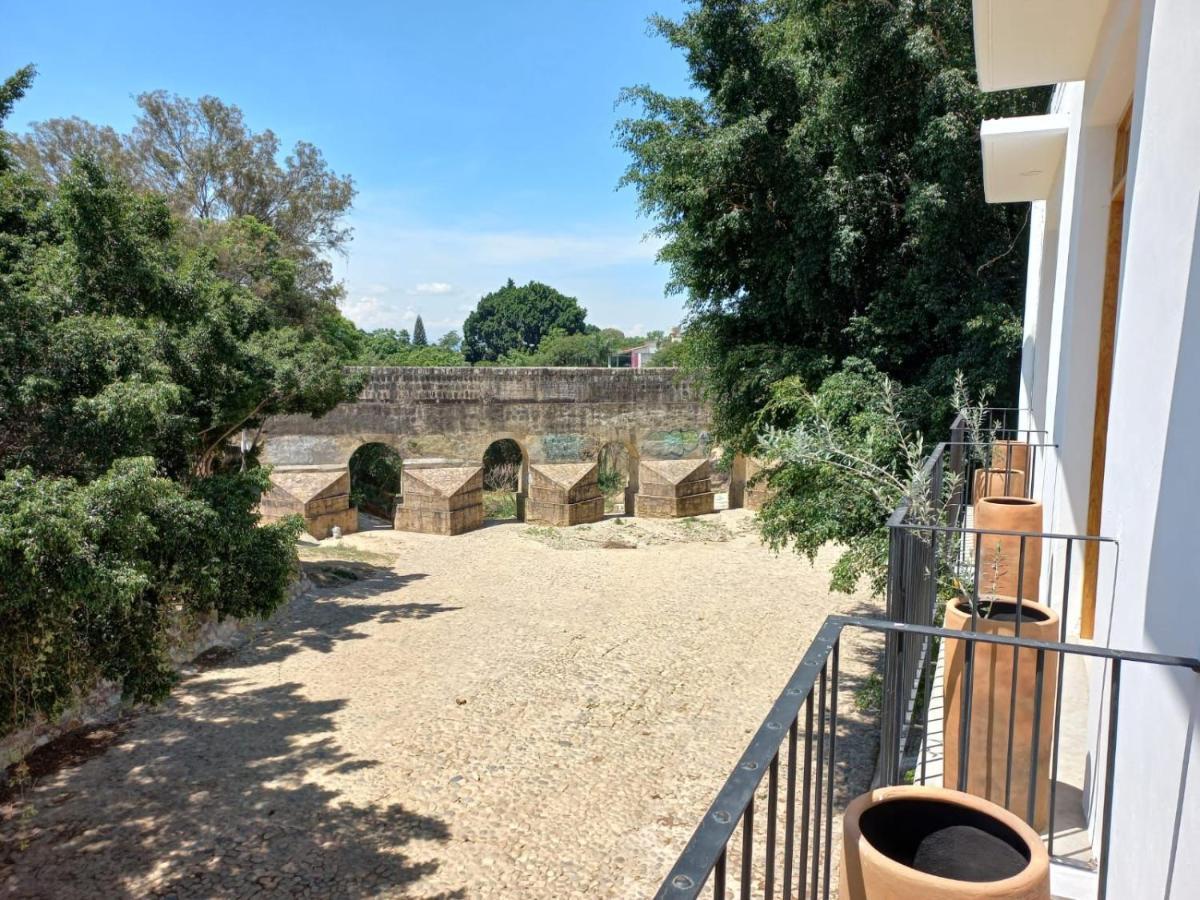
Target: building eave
[(1022, 156), (1025, 43)]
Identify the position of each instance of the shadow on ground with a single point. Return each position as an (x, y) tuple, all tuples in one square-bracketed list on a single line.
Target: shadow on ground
[(215, 795), (333, 612), (228, 789)]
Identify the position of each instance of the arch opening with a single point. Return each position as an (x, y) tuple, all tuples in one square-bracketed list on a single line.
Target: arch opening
[(617, 477), (505, 476), (376, 484)]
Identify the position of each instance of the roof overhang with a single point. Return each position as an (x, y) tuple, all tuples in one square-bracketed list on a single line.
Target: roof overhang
[(1025, 43), (1021, 156)]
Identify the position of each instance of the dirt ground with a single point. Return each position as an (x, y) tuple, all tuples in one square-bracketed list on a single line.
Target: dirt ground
[(515, 712)]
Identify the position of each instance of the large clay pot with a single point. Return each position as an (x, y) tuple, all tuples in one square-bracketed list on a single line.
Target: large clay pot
[(999, 483), (1000, 555), (1010, 455), (926, 843), (991, 703)]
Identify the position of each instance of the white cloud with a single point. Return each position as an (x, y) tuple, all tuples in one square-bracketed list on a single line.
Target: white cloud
[(432, 288)]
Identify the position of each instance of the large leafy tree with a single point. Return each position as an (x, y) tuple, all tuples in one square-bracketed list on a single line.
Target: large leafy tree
[(517, 318), (129, 356), (820, 196), (210, 166)]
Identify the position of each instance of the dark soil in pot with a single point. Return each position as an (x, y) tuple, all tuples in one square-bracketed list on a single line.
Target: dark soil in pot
[(1003, 611), (945, 840)]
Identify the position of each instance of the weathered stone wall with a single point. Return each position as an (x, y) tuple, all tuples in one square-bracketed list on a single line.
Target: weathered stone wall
[(453, 414)]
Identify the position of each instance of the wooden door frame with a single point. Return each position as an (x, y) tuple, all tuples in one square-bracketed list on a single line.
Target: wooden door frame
[(1104, 373)]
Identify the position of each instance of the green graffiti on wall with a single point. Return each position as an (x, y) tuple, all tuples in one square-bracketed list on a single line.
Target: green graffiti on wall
[(562, 447), (679, 444)]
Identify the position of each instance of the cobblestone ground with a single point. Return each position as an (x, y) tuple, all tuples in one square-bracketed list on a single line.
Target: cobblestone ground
[(508, 713)]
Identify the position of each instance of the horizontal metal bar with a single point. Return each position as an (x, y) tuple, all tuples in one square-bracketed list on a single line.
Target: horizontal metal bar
[(985, 443), (1138, 656), (1044, 535), (687, 877)]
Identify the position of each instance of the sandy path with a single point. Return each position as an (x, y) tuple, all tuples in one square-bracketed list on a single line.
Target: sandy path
[(508, 713)]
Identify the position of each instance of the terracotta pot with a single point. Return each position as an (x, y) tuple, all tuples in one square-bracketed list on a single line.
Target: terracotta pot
[(991, 695), (926, 843), (1011, 455), (999, 483), (1000, 555)]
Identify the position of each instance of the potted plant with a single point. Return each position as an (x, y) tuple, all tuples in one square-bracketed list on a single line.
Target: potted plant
[(998, 465), (997, 702), (924, 843)]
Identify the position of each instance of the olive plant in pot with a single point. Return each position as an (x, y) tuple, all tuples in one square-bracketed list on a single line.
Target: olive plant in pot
[(924, 843), (998, 465)]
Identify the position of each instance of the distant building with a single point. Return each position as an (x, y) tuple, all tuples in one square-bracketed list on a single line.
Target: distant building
[(634, 357), (639, 356)]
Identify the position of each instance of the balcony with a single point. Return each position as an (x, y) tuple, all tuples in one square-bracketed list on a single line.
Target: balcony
[(1000, 703)]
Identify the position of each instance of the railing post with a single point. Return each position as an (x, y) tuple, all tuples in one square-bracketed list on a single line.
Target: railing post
[(892, 676)]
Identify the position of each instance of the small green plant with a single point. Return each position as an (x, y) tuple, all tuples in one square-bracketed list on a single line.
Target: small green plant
[(868, 697), (499, 505)]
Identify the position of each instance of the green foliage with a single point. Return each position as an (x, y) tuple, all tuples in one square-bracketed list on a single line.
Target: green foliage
[(387, 347), (202, 157), (517, 318), (820, 198), (133, 346), (817, 498), (375, 473), (613, 473), (418, 336), (499, 505), (561, 349), (674, 354), (848, 461)]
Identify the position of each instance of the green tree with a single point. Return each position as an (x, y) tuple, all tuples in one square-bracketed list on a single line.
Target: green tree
[(820, 198), (418, 335), (130, 355), (210, 165), (561, 349), (674, 354), (516, 318), (451, 341), (388, 347)]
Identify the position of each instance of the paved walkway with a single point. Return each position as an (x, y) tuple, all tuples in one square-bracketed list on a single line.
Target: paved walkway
[(510, 713)]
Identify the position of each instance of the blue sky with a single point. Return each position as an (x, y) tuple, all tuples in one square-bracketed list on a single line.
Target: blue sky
[(478, 132)]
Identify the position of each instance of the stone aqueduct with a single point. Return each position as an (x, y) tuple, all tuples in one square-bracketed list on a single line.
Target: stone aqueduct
[(441, 421)]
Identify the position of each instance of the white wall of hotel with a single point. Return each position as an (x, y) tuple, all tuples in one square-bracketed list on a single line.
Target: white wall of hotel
[(1149, 597)]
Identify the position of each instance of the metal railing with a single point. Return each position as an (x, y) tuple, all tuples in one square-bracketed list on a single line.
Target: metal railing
[(923, 556), (772, 829)]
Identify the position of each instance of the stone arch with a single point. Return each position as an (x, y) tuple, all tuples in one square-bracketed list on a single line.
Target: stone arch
[(622, 457), (499, 446), (376, 479)]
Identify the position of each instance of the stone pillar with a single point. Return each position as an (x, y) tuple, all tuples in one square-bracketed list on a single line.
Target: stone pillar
[(442, 501), (565, 494), (674, 488), (737, 482)]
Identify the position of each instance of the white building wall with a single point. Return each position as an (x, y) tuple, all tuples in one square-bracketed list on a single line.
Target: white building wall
[(1152, 481)]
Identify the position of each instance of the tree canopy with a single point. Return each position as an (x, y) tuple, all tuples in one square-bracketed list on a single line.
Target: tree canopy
[(209, 165), (418, 335), (517, 318), (131, 352), (821, 199), (389, 347)]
